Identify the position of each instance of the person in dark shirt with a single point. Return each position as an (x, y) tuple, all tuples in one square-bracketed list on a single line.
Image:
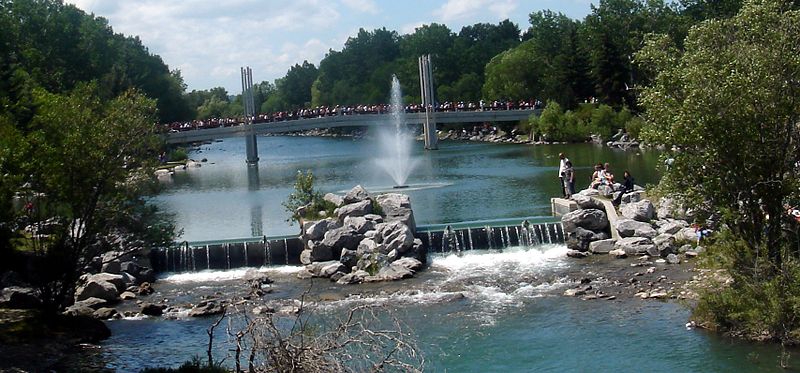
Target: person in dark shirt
[(627, 186)]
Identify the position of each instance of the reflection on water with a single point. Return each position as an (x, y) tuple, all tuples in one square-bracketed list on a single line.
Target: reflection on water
[(474, 181)]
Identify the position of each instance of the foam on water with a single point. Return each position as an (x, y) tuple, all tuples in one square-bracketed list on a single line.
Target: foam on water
[(495, 261), (223, 275)]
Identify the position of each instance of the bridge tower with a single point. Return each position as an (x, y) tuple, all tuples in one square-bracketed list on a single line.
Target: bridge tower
[(249, 113), (428, 101)]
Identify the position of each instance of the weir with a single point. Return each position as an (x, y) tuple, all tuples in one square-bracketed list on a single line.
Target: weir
[(285, 250)]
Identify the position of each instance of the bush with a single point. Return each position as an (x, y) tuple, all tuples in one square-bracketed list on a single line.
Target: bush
[(192, 366), (305, 195), (178, 154)]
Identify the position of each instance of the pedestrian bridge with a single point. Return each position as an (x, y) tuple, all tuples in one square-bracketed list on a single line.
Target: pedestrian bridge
[(354, 120)]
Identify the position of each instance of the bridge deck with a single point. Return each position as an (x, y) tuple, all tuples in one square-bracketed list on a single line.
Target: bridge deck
[(357, 120)]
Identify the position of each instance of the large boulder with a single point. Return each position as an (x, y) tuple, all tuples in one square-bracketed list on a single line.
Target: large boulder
[(408, 263), (151, 309), (686, 234), (105, 313), (632, 197), (632, 228), (368, 246), (602, 246), (591, 219), (639, 211), (342, 238), (394, 236), (359, 223), (113, 266), (325, 269), (354, 209), (207, 308), (349, 258), (397, 207), (670, 226), (391, 272), (19, 298), (586, 202), (117, 279), (665, 243), (316, 230), (97, 289), (634, 245), (335, 199), (318, 252), (580, 238), (357, 194)]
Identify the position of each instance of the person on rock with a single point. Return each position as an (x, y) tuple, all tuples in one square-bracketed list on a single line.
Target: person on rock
[(627, 186), (569, 180), (561, 166)]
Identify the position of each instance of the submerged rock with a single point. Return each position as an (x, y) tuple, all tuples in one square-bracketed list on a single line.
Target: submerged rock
[(207, 308)]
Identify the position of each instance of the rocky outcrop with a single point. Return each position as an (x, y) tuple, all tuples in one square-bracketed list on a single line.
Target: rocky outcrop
[(591, 219), (360, 245), (640, 211)]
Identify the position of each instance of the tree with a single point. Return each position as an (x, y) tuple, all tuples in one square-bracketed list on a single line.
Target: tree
[(729, 104), (85, 163)]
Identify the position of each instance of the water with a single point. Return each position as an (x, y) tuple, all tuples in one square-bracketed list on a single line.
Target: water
[(480, 310), (396, 141), (483, 311), (473, 181)]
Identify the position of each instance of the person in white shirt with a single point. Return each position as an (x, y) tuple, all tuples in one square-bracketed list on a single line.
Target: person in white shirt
[(561, 167)]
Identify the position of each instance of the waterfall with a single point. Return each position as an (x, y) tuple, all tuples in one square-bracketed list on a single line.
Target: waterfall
[(208, 258), (227, 255), (286, 249), (245, 255), (469, 235)]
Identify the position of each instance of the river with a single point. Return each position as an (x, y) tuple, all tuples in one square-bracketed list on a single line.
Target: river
[(508, 314)]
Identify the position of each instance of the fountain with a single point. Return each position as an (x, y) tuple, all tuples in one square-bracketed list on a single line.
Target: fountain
[(396, 142)]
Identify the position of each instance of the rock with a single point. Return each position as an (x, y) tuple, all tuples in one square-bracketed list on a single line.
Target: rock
[(335, 199), (130, 267), (117, 279), (602, 246), (305, 257), (579, 239), (112, 267), (356, 209), (633, 197), (666, 208), (397, 207), (127, 295), (634, 245), (591, 219), (263, 310), (341, 238), (331, 269), (316, 230), (639, 211), (372, 262), (690, 254), (93, 303), (355, 195), (632, 228), (673, 259), (359, 224), (589, 192), (394, 235), (368, 246), (353, 278), (151, 309), (79, 309), (128, 279), (145, 289), (320, 252), (317, 269), (97, 289), (686, 234), (146, 275), (586, 202), (577, 254), (105, 313), (374, 218), (685, 248), (618, 253), (392, 273), (304, 274), (575, 292), (665, 243), (337, 276), (18, 297), (207, 308), (411, 264), (670, 227), (605, 190), (349, 258)]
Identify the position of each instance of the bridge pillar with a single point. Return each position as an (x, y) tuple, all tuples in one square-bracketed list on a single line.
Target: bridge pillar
[(251, 143), (428, 101)]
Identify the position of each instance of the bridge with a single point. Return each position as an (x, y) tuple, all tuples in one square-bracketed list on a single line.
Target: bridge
[(337, 121)]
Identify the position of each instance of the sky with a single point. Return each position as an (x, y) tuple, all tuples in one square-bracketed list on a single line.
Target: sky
[(209, 40)]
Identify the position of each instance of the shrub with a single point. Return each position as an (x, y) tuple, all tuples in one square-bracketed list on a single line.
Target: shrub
[(305, 195)]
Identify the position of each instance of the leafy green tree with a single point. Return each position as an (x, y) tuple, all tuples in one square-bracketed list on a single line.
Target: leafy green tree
[(729, 104), (85, 162)]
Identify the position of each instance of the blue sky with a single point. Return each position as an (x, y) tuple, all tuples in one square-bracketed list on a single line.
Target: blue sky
[(208, 40)]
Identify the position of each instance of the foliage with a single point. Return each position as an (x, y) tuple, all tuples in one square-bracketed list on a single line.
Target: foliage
[(729, 106), (367, 338), (192, 366), (85, 164), (177, 154), (554, 124), (305, 202)]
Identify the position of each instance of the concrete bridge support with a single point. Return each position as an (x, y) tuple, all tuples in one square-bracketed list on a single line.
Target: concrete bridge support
[(428, 101), (251, 144)]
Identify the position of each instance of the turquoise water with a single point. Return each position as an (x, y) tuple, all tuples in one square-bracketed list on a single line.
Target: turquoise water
[(511, 317), (470, 181)]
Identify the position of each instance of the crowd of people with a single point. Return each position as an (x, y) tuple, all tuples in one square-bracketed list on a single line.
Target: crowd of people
[(602, 176), (327, 111)]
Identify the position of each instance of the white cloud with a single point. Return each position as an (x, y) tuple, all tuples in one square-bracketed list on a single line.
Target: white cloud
[(411, 27), (364, 6), (462, 10)]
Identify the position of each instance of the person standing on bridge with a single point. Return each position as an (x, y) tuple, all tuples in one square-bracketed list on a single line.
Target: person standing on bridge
[(561, 170)]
